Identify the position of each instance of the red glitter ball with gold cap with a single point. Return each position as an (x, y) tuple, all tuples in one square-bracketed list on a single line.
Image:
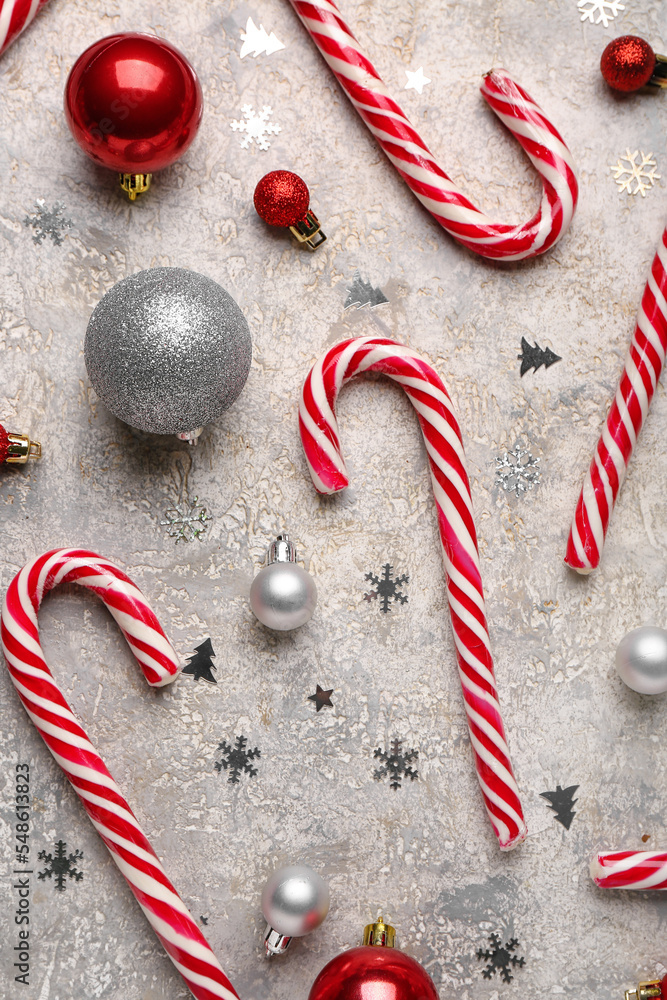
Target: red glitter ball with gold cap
[(282, 198), (628, 63), (4, 444)]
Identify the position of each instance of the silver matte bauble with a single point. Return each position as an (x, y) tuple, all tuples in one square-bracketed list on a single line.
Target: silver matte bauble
[(641, 659), (295, 901), (167, 350), (283, 595)]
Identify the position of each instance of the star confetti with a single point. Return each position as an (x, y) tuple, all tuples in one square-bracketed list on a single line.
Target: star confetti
[(321, 698), (517, 471), (256, 126), (257, 42), (628, 172), (186, 520), (48, 223), (416, 81), (606, 10)]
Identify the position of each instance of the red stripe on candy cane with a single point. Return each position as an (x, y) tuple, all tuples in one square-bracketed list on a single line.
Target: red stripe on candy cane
[(639, 870), (109, 812), (442, 437), (418, 167), (15, 16), (628, 411)]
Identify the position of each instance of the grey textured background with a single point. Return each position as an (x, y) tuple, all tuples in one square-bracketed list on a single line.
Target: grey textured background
[(425, 855)]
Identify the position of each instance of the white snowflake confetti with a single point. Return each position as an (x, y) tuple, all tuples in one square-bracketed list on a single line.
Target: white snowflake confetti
[(606, 10), (416, 81), (628, 171), (47, 223), (517, 471), (186, 521), (256, 41), (256, 126)]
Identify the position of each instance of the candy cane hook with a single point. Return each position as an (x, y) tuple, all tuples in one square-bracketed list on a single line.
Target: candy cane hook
[(442, 437), (419, 168), (15, 16), (102, 799), (640, 377)]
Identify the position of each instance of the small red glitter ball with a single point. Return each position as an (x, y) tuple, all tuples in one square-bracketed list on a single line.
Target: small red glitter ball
[(627, 63), (282, 198), (4, 444)]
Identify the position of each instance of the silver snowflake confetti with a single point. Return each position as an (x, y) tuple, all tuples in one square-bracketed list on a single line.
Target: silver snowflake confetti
[(642, 174), (47, 222), (606, 10), (186, 520), (517, 471), (257, 42), (256, 126)]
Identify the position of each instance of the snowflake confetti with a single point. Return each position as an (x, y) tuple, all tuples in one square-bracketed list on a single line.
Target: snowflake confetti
[(47, 223), (386, 588), (606, 10), (257, 42), (186, 520), (499, 958), (256, 126), (628, 171), (236, 759), (517, 471), (61, 866), (361, 293), (395, 764)]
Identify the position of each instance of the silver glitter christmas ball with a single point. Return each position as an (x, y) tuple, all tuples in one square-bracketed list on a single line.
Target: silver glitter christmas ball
[(641, 659), (167, 350), (295, 900)]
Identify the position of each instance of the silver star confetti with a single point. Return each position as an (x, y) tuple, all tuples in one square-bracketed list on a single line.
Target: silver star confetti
[(257, 42), (628, 172), (256, 126), (517, 471), (606, 11), (186, 520), (47, 223)]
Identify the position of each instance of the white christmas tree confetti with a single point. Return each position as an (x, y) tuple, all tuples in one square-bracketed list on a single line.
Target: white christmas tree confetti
[(257, 41)]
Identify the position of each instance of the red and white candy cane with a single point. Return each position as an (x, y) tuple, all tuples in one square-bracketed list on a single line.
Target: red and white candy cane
[(102, 799), (442, 437), (15, 16), (635, 391), (418, 167), (630, 870)]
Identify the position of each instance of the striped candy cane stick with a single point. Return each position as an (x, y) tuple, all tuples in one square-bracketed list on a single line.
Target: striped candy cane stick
[(102, 799), (630, 870), (624, 422), (319, 434), (15, 16), (418, 167)]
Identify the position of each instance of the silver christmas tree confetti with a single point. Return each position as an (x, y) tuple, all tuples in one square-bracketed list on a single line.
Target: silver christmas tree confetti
[(361, 293), (256, 126), (257, 41), (186, 520), (628, 172), (47, 222), (606, 11), (517, 471)]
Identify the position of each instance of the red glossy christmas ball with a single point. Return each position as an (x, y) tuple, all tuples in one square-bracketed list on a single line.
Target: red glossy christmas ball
[(133, 103), (371, 973), (627, 63), (282, 198)]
